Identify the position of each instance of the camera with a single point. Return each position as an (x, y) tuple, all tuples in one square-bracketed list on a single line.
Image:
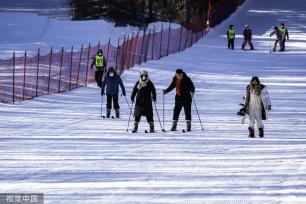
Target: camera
[(241, 112)]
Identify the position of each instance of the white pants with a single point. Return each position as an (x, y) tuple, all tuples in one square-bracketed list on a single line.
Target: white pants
[(255, 115)]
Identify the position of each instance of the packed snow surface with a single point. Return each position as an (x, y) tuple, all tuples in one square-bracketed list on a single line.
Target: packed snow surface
[(60, 146)]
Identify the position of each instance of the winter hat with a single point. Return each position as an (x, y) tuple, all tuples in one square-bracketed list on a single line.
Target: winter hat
[(275, 28), (144, 72), (179, 71)]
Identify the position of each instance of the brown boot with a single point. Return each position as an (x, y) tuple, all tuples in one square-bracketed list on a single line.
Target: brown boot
[(251, 132), (261, 132)]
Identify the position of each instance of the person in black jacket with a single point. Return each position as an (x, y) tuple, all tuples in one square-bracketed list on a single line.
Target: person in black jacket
[(99, 61), (145, 93), (112, 82), (279, 38), (247, 33), (183, 98)]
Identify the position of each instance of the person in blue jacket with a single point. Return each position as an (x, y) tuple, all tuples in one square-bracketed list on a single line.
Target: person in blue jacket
[(112, 82)]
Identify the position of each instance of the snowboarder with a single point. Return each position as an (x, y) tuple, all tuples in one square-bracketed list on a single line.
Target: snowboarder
[(279, 38), (183, 98), (145, 93), (285, 33), (257, 104), (247, 33), (112, 82), (231, 37), (99, 61)]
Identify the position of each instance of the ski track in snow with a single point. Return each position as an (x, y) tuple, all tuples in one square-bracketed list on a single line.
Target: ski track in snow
[(60, 146)]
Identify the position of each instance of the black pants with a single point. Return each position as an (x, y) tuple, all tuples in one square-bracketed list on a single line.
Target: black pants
[(149, 119), (245, 42), (280, 42), (283, 45), (111, 98), (99, 76), (177, 110), (231, 43)]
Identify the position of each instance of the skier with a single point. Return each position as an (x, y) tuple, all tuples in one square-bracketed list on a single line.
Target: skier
[(100, 62), (112, 81), (183, 98), (285, 33), (247, 33), (231, 37), (257, 104), (279, 38), (145, 93)]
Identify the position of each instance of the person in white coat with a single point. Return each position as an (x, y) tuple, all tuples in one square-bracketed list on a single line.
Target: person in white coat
[(257, 104)]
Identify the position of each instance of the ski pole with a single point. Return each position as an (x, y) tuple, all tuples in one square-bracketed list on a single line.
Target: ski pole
[(127, 129), (127, 102), (270, 47), (101, 106), (163, 111), (194, 102), (158, 118)]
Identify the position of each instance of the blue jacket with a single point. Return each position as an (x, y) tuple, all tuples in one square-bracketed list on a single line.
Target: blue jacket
[(112, 84)]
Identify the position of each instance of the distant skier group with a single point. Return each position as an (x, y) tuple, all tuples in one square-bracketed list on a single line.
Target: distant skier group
[(281, 33)]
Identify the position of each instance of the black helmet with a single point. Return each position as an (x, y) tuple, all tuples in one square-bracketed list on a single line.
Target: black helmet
[(275, 28), (231, 25), (100, 52)]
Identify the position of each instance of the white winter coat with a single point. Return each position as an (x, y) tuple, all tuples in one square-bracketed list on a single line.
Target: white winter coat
[(265, 99)]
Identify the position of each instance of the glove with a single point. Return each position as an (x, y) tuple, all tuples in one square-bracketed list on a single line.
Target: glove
[(164, 91), (102, 93), (269, 107)]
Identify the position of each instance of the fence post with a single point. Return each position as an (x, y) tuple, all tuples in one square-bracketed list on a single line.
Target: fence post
[(117, 53), (24, 74), (130, 50), (161, 40), (186, 39), (168, 44), (81, 53), (98, 45), (71, 61), (122, 53), (135, 54), (153, 42), (146, 55), (181, 33), (50, 65), (37, 72), (14, 65), (87, 65), (126, 51), (60, 73), (142, 44)]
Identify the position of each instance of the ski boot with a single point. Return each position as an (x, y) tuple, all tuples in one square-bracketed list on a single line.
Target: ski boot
[(135, 128), (251, 132), (117, 113), (108, 111), (151, 127), (188, 125), (261, 132), (174, 125)]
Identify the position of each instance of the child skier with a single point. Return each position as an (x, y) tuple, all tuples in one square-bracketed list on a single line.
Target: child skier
[(145, 93), (257, 103), (112, 82), (247, 34), (183, 98)]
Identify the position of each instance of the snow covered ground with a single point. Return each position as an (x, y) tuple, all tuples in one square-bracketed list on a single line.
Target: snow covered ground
[(58, 145)]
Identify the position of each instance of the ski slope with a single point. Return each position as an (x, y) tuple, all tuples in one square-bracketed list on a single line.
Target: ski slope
[(60, 146)]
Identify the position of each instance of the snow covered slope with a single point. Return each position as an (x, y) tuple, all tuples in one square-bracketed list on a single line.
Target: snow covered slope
[(59, 145)]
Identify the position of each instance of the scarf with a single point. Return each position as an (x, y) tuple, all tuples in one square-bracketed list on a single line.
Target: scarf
[(142, 83)]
